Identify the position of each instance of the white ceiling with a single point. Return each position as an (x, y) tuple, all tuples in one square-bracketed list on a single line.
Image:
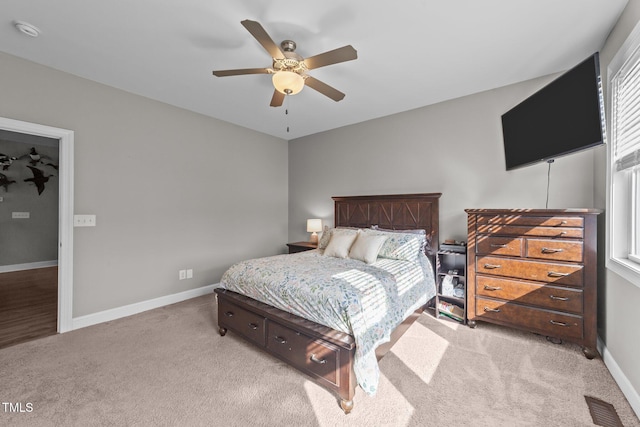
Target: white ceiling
[(411, 53)]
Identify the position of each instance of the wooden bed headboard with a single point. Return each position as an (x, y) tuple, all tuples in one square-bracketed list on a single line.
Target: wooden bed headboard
[(395, 212)]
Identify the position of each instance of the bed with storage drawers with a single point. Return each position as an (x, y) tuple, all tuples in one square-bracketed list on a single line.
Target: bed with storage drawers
[(363, 305)]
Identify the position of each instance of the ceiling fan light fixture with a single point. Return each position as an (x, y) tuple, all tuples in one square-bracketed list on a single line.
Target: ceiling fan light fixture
[(288, 82)]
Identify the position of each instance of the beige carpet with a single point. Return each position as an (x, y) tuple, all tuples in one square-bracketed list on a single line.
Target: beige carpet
[(169, 367)]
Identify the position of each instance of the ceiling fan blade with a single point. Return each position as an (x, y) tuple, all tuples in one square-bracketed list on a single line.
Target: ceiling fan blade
[(342, 54), (226, 73), (324, 88), (277, 99), (263, 38)]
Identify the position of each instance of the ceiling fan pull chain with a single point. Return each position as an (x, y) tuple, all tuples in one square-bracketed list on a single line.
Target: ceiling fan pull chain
[(286, 112)]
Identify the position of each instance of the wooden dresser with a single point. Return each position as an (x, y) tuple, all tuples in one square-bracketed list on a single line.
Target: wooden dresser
[(536, 270)]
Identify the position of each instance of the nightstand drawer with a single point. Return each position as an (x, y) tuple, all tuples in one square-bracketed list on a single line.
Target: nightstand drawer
[(536, 294), (301, 247)]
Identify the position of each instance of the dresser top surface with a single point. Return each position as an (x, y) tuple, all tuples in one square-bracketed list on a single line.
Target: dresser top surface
[(583, 211)]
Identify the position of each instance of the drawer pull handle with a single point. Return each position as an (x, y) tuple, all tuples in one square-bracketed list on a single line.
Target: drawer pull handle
[(558, 298), (314, 359), (280, 339), (493, 310), (253, 326), (229, 313), (553, 322), (495, 245), (492, 288), (492, 266), (551, 250), (556, 274)]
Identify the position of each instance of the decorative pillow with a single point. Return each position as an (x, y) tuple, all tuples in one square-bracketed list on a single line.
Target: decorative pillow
[(340, 243), (420, 231), (324, 238), (402, 246), (366, 247), (326, 235)]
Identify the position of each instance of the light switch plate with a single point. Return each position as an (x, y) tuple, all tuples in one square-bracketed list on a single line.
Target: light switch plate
[(84, 220)]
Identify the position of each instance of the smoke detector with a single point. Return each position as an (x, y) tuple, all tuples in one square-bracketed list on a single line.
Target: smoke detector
[(26, 28)]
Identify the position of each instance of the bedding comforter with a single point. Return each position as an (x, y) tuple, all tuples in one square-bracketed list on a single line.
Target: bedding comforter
[(367, 301)]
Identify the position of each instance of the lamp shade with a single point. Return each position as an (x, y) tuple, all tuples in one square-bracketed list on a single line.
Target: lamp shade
[(288, 82), (314, 225)]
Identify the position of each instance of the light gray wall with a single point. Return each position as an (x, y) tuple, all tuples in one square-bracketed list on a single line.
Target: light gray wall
[(171, 189), (620, 300), (454, 147)]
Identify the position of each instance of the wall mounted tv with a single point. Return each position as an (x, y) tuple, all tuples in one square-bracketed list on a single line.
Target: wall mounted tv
[(563, 117)]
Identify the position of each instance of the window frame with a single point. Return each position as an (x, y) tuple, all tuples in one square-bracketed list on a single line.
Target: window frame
[(623, 187)]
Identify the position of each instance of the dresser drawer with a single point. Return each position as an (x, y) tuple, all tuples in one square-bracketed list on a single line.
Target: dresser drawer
[(315, 357), (519, 230), (536, 294), (542, 321), (491, 245), (555, 249), (241, 321), (533, 221), (565, 274)]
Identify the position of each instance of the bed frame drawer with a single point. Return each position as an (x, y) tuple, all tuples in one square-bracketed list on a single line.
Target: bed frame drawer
[(241, 321), (316, 357)]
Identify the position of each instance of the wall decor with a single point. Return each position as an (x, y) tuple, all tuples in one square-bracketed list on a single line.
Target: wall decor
[(5, 161), (39, 179), (4, 182)]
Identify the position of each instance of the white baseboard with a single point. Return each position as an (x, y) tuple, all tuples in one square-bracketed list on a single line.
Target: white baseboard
[(139, 307), (623, 382), (28, 266)]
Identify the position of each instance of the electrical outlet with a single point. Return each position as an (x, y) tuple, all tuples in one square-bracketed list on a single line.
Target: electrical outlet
[(190, 273), (20, 215), (182, 274)]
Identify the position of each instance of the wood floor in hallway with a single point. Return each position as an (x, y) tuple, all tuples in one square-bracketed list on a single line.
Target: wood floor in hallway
[(28, 305)]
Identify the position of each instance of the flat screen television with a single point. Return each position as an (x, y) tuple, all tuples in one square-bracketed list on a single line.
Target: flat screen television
[(564, 117)]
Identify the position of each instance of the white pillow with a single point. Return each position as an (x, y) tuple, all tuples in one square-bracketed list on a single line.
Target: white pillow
[(327, 233), (366, 247), (340, 244)]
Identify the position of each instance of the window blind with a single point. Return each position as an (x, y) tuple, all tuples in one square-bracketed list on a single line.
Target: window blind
[(626, 113)]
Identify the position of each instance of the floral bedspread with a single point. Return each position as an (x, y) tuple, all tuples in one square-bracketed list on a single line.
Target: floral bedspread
[(367, 301)]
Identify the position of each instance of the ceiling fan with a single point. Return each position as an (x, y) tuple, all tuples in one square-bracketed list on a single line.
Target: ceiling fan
[(289, 69)]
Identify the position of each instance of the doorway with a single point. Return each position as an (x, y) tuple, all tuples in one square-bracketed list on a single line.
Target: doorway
[(28, 236), (64, 241)]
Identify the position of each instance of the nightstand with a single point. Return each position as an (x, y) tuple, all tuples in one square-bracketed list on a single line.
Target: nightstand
[(301, 247), (451, 283)]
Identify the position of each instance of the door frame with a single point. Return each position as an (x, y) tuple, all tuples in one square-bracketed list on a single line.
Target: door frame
[(65, 212)]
